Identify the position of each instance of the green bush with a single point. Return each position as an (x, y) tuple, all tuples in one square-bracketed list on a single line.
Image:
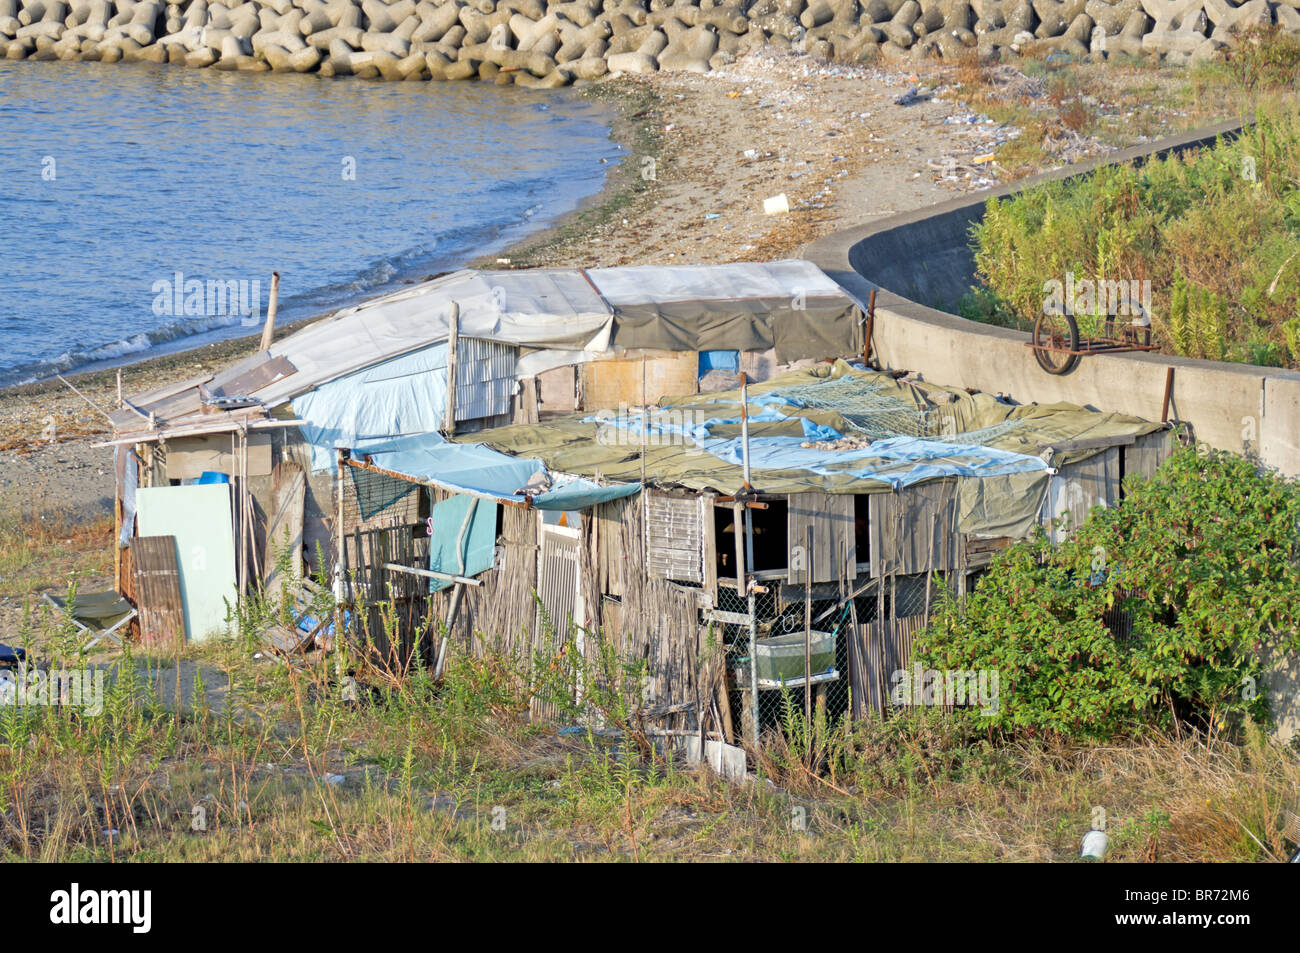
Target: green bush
[(1204, 559)]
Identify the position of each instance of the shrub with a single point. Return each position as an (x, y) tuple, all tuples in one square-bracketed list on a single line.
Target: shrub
[(1203, 564)]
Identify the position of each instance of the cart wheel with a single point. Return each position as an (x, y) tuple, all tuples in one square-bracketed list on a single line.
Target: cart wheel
[(1056, 331)]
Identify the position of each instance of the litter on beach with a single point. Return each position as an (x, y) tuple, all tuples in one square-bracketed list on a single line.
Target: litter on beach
[(776, 205)]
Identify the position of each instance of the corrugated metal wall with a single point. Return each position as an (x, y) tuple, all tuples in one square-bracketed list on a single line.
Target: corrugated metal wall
[(485, 378)]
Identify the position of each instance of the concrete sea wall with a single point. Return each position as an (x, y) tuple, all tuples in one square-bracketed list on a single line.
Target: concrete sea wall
[(545, 44), (920, 262)]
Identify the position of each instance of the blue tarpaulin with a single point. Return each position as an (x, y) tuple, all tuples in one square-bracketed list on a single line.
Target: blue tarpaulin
[(476, 469), (406, 396), (463, 537), (728, 361), (898, 461)]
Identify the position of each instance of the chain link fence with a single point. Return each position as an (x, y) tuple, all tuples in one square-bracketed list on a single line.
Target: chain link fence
[(813, 655)]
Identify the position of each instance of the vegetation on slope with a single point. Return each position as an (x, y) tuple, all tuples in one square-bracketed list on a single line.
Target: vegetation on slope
[(1216, 233)]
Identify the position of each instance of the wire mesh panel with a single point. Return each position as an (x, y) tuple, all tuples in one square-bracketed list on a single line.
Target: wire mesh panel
[(372, 498), (873, 409)]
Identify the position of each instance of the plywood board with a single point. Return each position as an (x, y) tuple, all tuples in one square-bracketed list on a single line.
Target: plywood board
[(199, 516), (157, 591), (284, 527), (1077, 487), (915, 530), (830, 517), (190, 457), (625, 382)]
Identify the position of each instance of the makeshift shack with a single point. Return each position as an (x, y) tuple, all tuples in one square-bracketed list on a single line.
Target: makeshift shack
[(678, 460)]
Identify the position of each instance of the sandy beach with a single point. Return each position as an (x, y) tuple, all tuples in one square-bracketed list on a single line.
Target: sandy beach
[(703, 152)]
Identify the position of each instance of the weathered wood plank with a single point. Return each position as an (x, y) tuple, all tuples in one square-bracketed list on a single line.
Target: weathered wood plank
[(830, 516), (284, 528), (158, 591)]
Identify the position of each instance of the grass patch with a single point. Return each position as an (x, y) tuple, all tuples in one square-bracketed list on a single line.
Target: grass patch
[(261, 761), (1214, 232)]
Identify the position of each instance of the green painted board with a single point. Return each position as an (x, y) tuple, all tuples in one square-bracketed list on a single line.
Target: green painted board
[(199, 516)]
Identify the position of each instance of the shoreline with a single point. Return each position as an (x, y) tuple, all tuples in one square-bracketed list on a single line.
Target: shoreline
[(223, 350), (700, 154)]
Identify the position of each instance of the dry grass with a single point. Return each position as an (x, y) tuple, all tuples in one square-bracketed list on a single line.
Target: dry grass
[(283, 769), (39, 549)]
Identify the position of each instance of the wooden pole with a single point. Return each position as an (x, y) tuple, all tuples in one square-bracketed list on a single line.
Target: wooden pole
[(807, 642), (117, 541), (433, 574), (744, 427), (453, 363), (645, 419), (871, 327), (268, 329), (738, 514), (237, 501), (339, 567), (252, 520), (1169, 393), (645, 426)]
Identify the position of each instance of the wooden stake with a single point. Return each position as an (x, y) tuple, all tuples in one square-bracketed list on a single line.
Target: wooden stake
[(339, 567), (871, 327), (1169, 393), (453, 355), (807, 643), (744, 426), (268, 330)]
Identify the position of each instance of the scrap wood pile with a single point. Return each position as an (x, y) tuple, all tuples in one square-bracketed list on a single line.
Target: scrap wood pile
[(308, 628), (536, 43)]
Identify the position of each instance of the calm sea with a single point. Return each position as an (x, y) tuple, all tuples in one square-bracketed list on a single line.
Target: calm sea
[(144, 207)]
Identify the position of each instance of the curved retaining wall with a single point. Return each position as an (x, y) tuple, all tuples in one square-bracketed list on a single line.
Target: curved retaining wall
[(921, 261)]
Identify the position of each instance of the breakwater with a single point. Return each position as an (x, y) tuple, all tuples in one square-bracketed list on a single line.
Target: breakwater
[(537, 43)]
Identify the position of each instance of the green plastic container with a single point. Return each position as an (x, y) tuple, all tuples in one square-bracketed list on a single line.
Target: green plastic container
[(780, 657)]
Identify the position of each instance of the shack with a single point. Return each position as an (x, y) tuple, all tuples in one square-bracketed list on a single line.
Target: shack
[(694, 465)]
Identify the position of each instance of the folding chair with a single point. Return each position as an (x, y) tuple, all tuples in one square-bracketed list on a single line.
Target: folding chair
[(98, 614)]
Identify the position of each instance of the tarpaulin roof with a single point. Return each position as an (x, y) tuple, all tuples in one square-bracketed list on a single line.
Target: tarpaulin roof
[(575, 314), (831, 428), (481, 471), (787, 305)]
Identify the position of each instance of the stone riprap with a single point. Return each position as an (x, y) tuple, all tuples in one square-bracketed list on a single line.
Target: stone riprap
[(546, 44)]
